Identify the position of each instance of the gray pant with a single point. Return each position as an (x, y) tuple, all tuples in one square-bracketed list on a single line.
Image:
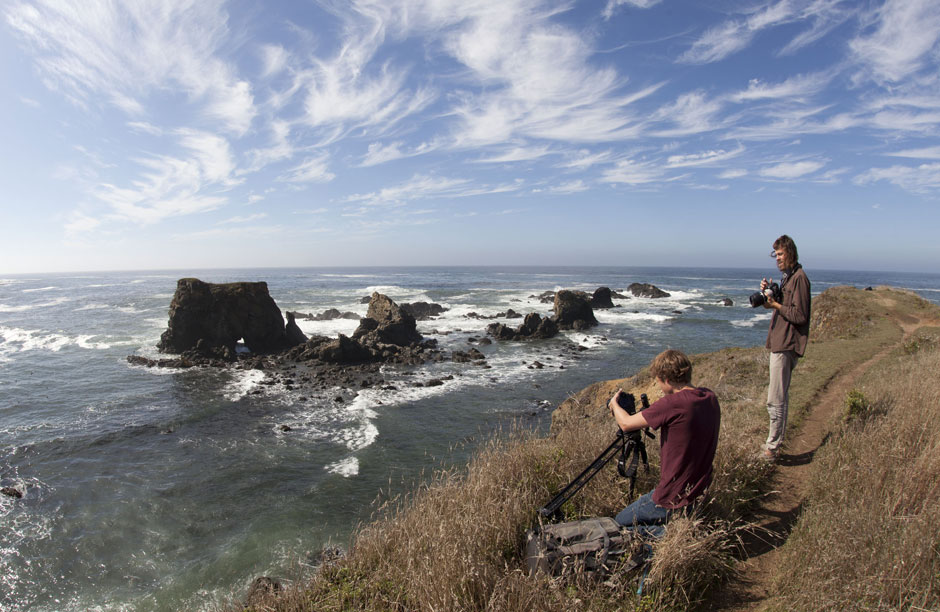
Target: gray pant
[(778, 396)]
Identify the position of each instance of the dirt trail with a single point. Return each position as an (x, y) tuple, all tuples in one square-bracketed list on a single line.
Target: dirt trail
[(777, 515)]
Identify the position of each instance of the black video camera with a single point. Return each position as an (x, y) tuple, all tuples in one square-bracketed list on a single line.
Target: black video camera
[(758, 298)]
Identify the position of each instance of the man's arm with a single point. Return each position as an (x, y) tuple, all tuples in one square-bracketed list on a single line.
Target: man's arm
[(626, 421)]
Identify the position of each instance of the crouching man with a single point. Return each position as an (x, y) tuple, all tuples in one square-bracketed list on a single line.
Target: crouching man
[(688, 419)]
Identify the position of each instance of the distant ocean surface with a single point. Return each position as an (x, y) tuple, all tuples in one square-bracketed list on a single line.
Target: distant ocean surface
[(160, 489)]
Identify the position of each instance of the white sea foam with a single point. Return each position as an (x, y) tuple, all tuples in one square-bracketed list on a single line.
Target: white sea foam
[(758, 318), (92, 307), (25, 307), (132, 310), (40, 289), (331, 328), (244, 381), (345, 467)]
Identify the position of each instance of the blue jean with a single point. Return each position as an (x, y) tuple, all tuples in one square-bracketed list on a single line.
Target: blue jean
[(644, 517)]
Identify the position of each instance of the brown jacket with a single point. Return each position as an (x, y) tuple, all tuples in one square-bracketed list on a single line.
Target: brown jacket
[(789, 327)]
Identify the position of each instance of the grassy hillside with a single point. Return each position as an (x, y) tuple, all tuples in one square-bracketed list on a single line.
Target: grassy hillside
[(456, 543)]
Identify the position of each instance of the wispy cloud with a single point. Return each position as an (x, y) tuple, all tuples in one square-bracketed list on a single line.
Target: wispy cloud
[(916, 179), (569, 187), (171, 186), (737, 34), (613, 5), (379, 153), (516, 154), (904, 39), (704, 158), (923, 153), (791, 170), (633, 172), (313, 169), (421, 187), (84, 51)]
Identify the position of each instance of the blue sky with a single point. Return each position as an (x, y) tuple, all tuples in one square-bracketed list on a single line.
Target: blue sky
[(201, 133)]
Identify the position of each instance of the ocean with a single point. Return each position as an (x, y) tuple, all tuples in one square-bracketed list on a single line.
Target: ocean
[(163, 489)]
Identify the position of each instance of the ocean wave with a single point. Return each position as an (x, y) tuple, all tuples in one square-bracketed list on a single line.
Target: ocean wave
[(244, 381), (92, 307), (758, 318), (15, 339), (25, 307), (50, 288)]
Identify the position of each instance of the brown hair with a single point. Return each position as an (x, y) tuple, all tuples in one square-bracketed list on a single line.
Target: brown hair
[(672, 366), (789, 247)]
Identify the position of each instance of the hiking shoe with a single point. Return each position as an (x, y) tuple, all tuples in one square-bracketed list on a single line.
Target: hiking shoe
[(768, 455)]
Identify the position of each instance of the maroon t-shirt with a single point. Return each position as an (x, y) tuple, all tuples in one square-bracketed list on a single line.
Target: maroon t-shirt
[(689, 421)]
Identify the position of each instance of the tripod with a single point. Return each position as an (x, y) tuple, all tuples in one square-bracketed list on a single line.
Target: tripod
[(632, 450)]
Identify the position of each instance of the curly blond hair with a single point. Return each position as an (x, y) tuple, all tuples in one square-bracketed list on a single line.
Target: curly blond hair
[(672, 366)]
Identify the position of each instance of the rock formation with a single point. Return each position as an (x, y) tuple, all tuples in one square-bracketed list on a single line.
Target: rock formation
[(646, 290), (293, 335), (573, 310), (387, 323), (423, 311), (219, 315), (601, 298), (533, 327)]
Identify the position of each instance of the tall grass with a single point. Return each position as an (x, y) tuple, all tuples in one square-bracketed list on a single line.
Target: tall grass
[(869, 538)]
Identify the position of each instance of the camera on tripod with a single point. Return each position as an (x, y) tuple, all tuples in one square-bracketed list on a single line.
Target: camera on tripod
[(759, 298)]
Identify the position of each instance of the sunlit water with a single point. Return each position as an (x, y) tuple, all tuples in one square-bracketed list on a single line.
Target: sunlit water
[(150, 489)]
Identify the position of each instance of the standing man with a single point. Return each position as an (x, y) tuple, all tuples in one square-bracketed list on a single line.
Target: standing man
[(787, 337)]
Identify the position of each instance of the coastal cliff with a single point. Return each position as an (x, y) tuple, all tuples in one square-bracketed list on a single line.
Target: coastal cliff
[(456, 543)]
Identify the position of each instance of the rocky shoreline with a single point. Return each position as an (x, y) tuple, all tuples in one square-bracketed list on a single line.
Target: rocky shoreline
[(209, 321)]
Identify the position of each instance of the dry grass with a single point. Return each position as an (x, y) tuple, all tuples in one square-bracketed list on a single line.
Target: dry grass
[(870, 536)]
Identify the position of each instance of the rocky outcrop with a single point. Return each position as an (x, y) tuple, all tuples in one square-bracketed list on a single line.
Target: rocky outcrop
[(422, 311), (509, 314), (387, 323), (726, 302), (292, 333), (327, 315), (533, 327), (11, 492), (216, 316), (645, 290), (573, 310), (601, 298)]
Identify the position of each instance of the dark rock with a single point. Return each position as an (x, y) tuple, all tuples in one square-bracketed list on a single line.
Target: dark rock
[(422, 311), (727, 302), (365, 300), (546, 297), (344, 350), (533, 328), (222, 314), (387, 323), (573, 310), (327, 315), (646, 290), (11, 492), (619, 296), (601, 298), (509, 314), (260, 590), (292, 333), (868, 289)]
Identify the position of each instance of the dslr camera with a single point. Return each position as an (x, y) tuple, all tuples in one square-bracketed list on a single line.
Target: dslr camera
[(758, 298)]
